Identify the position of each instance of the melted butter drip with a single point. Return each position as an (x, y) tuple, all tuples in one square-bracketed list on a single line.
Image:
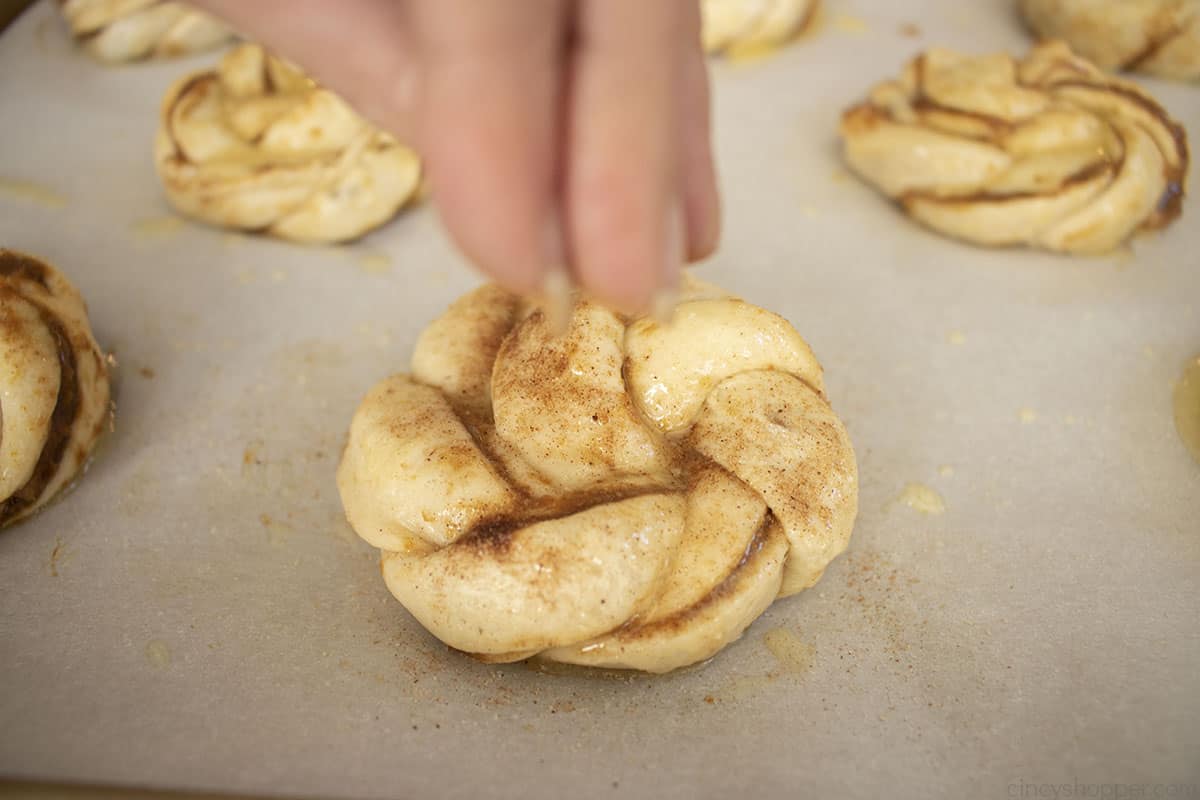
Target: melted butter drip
[(792, 654), (158, 653), (375, 263), (1187, 407), (849, 24), (751, 53), (840, 176), (920, 497), (157, 227), (793, 658), (575, 671), (32, 193)]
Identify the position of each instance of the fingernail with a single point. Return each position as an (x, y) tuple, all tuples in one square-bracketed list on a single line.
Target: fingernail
[(666, 295), (556, 301), (663, 304), (555, 296)]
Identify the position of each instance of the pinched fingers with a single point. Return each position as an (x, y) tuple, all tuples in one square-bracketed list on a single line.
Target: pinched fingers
[(489, 117), (627, 212), (561, 137)]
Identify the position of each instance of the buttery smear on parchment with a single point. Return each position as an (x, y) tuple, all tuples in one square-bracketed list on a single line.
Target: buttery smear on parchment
[(157, 227), (1187, 407), (30, 192), (922, 498)]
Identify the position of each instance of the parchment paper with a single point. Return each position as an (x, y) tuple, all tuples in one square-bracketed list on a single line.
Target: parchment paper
[(197, 615)]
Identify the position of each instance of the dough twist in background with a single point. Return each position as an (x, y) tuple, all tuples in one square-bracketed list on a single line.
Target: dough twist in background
[(1159, 37), (747, 27), (626, 495), (258, 146), (54, 395), (128, 30), (1048, 151)]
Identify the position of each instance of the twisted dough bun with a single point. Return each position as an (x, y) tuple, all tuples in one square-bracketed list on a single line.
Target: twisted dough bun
[(257, 145), (738, 27), (1049, 151), (627, 495), (1160, 37), (128, 30), (54, 399)]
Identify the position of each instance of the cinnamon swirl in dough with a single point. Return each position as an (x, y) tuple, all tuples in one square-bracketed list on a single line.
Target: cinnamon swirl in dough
[(54, 398), (1159, 37), (258, 146), (737, 27), (626, 495), (128, 30), (1048, 151)]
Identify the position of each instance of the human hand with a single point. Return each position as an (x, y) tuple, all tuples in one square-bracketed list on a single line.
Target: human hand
[(561, 137)]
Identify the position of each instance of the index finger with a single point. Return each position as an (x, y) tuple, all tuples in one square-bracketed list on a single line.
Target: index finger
[(488, 118)]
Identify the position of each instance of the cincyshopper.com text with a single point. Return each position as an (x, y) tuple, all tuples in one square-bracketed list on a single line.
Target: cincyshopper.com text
[(1028, 790)]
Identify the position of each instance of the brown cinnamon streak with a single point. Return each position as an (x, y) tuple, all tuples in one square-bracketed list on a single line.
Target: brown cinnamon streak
[(168, 113), (495, 533), (21, 266), (1151, 49), (675, 621), (1086, 174), (1170, 205)]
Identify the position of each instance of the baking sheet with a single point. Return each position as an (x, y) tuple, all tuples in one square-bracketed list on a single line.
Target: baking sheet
[(197, 615)]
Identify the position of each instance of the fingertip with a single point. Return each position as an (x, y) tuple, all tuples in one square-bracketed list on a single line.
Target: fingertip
[(704, 228), (497, 233), (488, 116), (630, 260)]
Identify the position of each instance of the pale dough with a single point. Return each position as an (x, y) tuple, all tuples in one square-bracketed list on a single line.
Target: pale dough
[(256, 145)]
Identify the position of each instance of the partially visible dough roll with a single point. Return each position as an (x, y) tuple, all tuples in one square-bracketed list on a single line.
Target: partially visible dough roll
[(1048, 151), (258, 146), (54, 392), (128, 30), (736, 27), (1158, 37)]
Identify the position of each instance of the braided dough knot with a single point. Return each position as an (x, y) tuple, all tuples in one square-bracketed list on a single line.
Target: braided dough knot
[(257, 145), (128, 30), (1048, 151), (626, 495), (1159, 37)]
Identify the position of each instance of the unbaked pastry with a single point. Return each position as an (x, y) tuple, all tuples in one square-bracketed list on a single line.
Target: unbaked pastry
[(54, 396), (626, 495), (1048, 151), (258, 146), (1159, 37), (128, 30), (736, 27)]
